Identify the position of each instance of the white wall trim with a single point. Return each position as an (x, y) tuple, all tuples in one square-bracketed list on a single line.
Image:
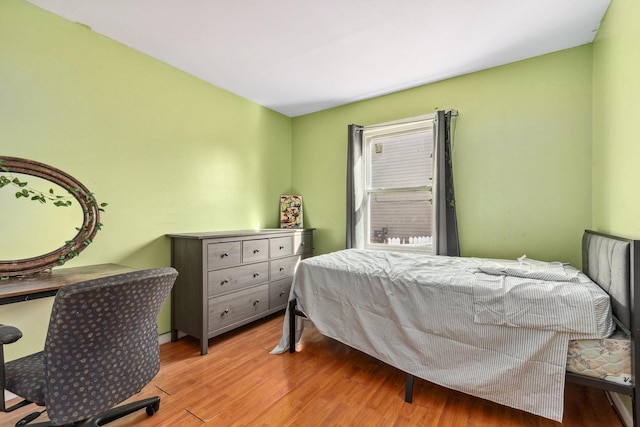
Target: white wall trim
[(8, 396), (164, 338), (623, 410)]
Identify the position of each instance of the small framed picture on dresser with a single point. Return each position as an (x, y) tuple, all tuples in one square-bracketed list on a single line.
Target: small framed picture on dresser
[(290, 211)]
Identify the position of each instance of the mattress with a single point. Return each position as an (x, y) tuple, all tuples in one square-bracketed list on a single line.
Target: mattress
[(608, 358)]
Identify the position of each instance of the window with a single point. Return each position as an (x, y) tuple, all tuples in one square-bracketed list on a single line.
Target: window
[(398, 176)]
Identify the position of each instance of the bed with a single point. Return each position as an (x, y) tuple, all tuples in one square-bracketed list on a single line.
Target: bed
[(504, 330)]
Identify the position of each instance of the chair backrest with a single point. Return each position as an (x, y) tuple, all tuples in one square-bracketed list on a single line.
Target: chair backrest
[(102, 342)]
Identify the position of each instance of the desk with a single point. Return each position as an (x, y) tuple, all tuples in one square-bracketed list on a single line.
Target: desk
[(46, 284)]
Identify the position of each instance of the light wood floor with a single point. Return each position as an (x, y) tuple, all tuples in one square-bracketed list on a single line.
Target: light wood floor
[(324, 384)]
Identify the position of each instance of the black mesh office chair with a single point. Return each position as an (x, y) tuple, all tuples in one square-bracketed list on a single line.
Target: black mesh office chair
[(101, 348)]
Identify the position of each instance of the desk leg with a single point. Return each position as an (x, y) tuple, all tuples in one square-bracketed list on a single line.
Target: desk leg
[(174, 331)]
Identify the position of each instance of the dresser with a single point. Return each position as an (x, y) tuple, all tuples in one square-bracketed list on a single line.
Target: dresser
[(230, 278)]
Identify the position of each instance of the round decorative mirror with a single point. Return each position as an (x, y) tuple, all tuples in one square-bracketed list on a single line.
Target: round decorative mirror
[(85, 232)]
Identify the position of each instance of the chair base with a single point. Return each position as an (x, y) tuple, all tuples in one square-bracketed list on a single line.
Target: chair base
[(14, 407), (151, 404)]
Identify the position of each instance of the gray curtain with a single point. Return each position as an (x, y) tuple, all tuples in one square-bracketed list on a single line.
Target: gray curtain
[(354, 155), (446, 239)]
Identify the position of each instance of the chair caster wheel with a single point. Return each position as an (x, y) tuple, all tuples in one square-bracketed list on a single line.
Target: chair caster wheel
[(26, 420), (152, 409)]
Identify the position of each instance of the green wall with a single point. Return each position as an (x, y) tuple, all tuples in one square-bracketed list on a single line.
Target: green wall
[(522, 156), (616, 128), (168, 152)]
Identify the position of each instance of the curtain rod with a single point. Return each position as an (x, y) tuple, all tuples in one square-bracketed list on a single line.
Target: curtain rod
[(454, 113)]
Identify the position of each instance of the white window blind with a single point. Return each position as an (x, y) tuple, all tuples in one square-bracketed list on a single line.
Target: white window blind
[(398, 194)]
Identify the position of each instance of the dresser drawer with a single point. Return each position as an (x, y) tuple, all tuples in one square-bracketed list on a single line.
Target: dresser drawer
[(279, 292), (234, 278), (283, 267), (229, 309), (230, 278), (303, 243), (220, 255), (255, 250), (281, 246)]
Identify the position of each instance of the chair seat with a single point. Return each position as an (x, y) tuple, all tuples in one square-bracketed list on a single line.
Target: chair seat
[(20, 374)]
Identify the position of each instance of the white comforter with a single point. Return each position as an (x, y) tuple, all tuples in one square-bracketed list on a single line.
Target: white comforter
[(492, 329)]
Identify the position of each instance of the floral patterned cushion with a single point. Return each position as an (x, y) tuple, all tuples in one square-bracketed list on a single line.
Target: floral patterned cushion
[(608, 358)]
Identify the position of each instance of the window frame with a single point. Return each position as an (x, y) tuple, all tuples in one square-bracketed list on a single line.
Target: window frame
[(416, 125)]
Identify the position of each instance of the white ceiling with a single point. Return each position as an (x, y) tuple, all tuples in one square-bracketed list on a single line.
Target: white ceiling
[(302, 56)]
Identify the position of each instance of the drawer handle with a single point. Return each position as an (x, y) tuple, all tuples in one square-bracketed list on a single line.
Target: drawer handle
[(224, 312), (256, 302), (224, 282), (302, 243), (281, 247), (256, 274), (281, 293), (255, 251), (281, 268), (224, 255)]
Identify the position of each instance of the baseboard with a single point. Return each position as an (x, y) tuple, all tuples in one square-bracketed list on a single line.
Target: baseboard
[(165, 338), (162, 339), (622, 408), (8, 396)]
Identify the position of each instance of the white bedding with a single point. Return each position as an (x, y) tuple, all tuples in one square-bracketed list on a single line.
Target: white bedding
[(446, 320)]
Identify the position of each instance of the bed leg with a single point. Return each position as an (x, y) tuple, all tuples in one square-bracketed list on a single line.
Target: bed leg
[(292, 326), (635, 407), (408, 390)]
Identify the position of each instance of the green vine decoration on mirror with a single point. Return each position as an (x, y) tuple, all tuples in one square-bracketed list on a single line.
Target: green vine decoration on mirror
[(90, 207)]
